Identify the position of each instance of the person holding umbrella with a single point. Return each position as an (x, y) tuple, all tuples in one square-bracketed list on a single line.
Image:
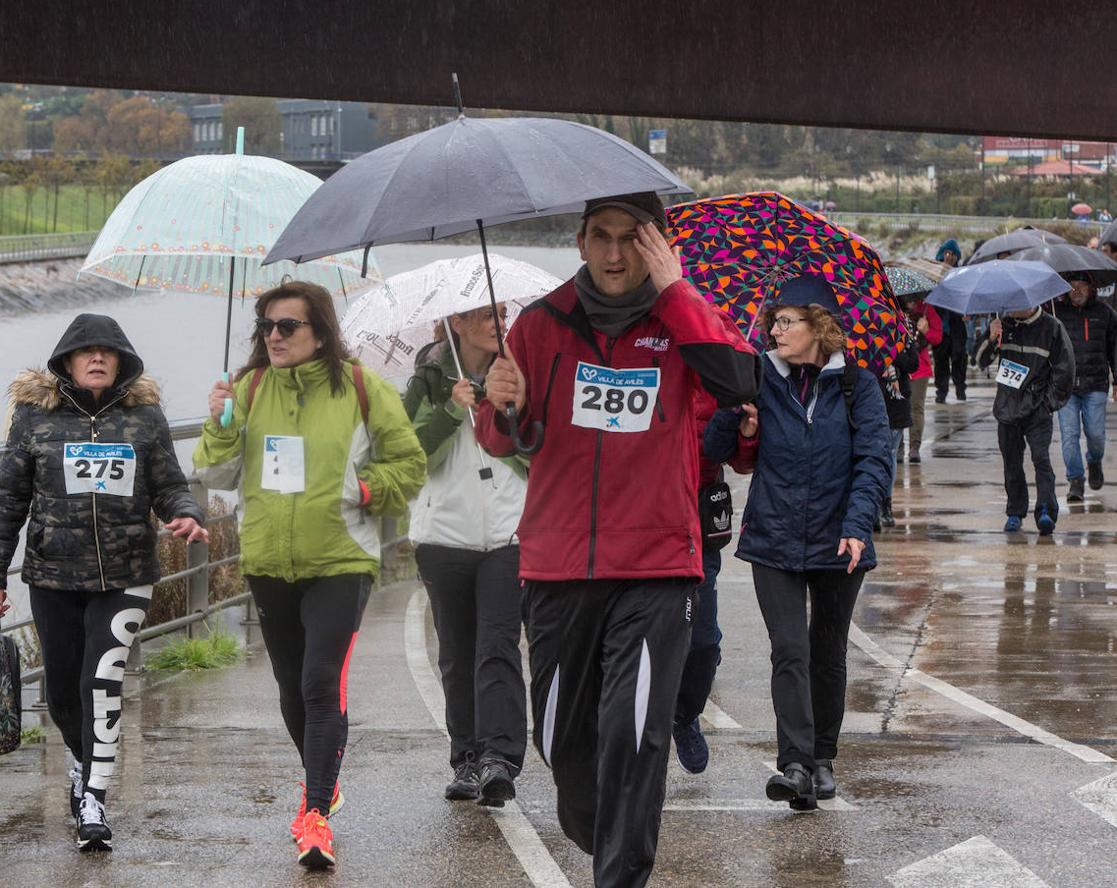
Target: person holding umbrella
[(823, 468), (90, 457), (1035, 378), (610, 553), (1092, 328), (951, 357), (464, 526), (316, 446)]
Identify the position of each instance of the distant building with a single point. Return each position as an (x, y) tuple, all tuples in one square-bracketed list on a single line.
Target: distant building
[(1006, 150), (311, 130)]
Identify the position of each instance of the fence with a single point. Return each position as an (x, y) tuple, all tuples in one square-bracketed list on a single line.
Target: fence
[(198, 566), (39, 247)]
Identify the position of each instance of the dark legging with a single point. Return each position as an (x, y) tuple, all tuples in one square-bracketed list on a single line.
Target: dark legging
[(808, 660), (85, 638), (309, 628)]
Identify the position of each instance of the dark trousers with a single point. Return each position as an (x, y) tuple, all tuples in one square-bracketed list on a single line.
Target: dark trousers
[(310, 628), (1034, 431), (85, 638), (606, 657), (476, 602), (950, 361), (705, 644), (808, 659)]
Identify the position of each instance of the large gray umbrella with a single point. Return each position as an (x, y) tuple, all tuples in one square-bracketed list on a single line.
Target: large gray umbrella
[(1020, 239), (1066, 258), (997, 286), (462, 176)]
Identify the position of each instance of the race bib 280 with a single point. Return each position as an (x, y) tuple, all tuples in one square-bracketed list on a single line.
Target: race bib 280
[(614, 400)]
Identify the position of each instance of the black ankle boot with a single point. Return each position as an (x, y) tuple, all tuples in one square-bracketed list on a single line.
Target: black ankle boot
[(794, 785), (887, 519)]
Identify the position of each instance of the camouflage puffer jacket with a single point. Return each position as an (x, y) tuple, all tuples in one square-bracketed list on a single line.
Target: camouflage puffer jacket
[(84, 540)]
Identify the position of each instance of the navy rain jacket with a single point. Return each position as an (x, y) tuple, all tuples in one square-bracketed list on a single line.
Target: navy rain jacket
[(817, 479)]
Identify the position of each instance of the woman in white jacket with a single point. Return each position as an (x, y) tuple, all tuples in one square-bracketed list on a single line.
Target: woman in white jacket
[(463, 524)]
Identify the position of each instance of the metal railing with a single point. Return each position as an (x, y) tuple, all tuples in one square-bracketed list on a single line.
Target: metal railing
[(196, 573), (941, 222), (37, 247)]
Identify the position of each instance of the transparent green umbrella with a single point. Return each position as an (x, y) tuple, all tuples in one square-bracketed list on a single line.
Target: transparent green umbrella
[(204, 224)]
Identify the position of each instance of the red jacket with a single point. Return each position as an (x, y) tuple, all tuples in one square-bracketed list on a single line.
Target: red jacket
[(742, 462), (617, 504), (933, 336)]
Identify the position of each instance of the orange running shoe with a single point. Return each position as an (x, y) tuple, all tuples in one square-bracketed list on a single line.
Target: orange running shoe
[(335, 805), (316, 842)]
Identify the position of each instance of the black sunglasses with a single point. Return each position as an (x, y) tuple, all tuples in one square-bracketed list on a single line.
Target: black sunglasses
[(287, 326)]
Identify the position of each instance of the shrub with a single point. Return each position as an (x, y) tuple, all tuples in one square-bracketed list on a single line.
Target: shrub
[(215, 651)]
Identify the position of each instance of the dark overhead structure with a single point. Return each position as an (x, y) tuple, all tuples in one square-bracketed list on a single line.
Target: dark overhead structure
[(998, 67)]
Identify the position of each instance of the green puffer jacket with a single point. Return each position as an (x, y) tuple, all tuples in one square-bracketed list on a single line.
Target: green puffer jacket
[(322, 530)]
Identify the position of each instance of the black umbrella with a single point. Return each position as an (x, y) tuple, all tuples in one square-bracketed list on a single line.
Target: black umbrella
[(1020, 239), (465, 175), (1067, 258)]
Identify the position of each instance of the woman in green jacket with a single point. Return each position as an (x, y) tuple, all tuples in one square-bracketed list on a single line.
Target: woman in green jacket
[(317, 445)]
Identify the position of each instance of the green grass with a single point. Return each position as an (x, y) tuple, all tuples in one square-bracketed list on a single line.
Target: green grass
[(77, 211), (215, 651), (33, 734)]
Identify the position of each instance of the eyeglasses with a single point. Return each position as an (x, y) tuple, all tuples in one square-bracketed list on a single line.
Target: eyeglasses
[(783, 323), (287, 326)]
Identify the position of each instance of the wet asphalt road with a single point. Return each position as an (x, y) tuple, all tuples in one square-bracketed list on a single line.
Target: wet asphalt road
[(978, 746)]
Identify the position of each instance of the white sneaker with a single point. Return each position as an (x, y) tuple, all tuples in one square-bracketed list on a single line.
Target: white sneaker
[(93, 827), (77, 790)]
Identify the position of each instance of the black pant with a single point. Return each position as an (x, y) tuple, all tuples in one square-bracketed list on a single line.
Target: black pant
[(950, 360), (476, 602), (85, 638), (808, 660), (606, 657), (309, 629), (705, 644), (1035, 431)]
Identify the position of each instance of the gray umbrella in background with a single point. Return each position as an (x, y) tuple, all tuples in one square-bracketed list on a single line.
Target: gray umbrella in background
[(1020, 239), (997, 286), (1109, 235), (463, 176), (1066, 258)]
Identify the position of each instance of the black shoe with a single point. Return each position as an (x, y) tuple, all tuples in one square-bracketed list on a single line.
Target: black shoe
[(960, 397), (76, 790), (93, 828), (887, 519), (496, 784), (1077, 489), (466, 785), (940, 399), (824, 783), (876, 524), (691, 747), (795, 786), (1097, 476), (914, 457)]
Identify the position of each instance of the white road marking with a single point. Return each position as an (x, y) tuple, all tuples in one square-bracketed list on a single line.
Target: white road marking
[(957, 695), (718, 719), (517, 830), (975, 863), (1100, 797)]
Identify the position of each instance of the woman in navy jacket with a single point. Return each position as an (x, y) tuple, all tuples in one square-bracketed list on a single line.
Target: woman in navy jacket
[(822, 471)]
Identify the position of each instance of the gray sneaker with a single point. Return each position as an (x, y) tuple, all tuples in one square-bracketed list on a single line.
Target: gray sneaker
[(77, 789), (466, 785)]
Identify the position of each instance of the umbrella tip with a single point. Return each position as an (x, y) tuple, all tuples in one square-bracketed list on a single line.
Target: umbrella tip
[(458, 94), (240, 140)]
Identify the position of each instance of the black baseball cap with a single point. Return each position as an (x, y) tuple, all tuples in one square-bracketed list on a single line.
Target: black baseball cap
[(643, 206)]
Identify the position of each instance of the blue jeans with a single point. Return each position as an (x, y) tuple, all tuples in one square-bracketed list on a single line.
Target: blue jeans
[(1086, 410), (897, 440), (705, 644)]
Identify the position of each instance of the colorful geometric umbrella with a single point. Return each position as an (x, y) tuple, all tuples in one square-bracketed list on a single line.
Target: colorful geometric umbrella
[(737, 249)]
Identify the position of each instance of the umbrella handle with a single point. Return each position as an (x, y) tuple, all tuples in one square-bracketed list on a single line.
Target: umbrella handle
[(514, 432), (227, 415)]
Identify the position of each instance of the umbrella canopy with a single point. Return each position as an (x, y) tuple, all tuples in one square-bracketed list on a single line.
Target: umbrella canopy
[(393, 320), (998, 286), (179, 228), (1066, 258), (466, 173), (737, 250), (1020, 239), (1082, 209), (907, 283), (1109, 236)]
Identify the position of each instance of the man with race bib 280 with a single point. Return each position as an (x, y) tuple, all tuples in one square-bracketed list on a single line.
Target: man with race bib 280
[(610, 548), (1034, 379)]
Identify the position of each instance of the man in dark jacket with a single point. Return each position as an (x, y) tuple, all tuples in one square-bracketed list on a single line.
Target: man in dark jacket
[(950, 355), (610, 548), (90, 456), (1034, 379), (1092, 328)]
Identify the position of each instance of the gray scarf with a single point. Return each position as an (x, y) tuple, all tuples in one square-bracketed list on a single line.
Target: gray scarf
[(612, 315)]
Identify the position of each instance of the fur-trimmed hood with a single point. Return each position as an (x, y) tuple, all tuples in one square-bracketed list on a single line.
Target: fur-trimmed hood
[(42, 389)]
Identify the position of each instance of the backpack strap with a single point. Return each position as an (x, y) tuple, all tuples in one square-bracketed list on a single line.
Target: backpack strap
[(253, 384), (362, 393), (849, 383)]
